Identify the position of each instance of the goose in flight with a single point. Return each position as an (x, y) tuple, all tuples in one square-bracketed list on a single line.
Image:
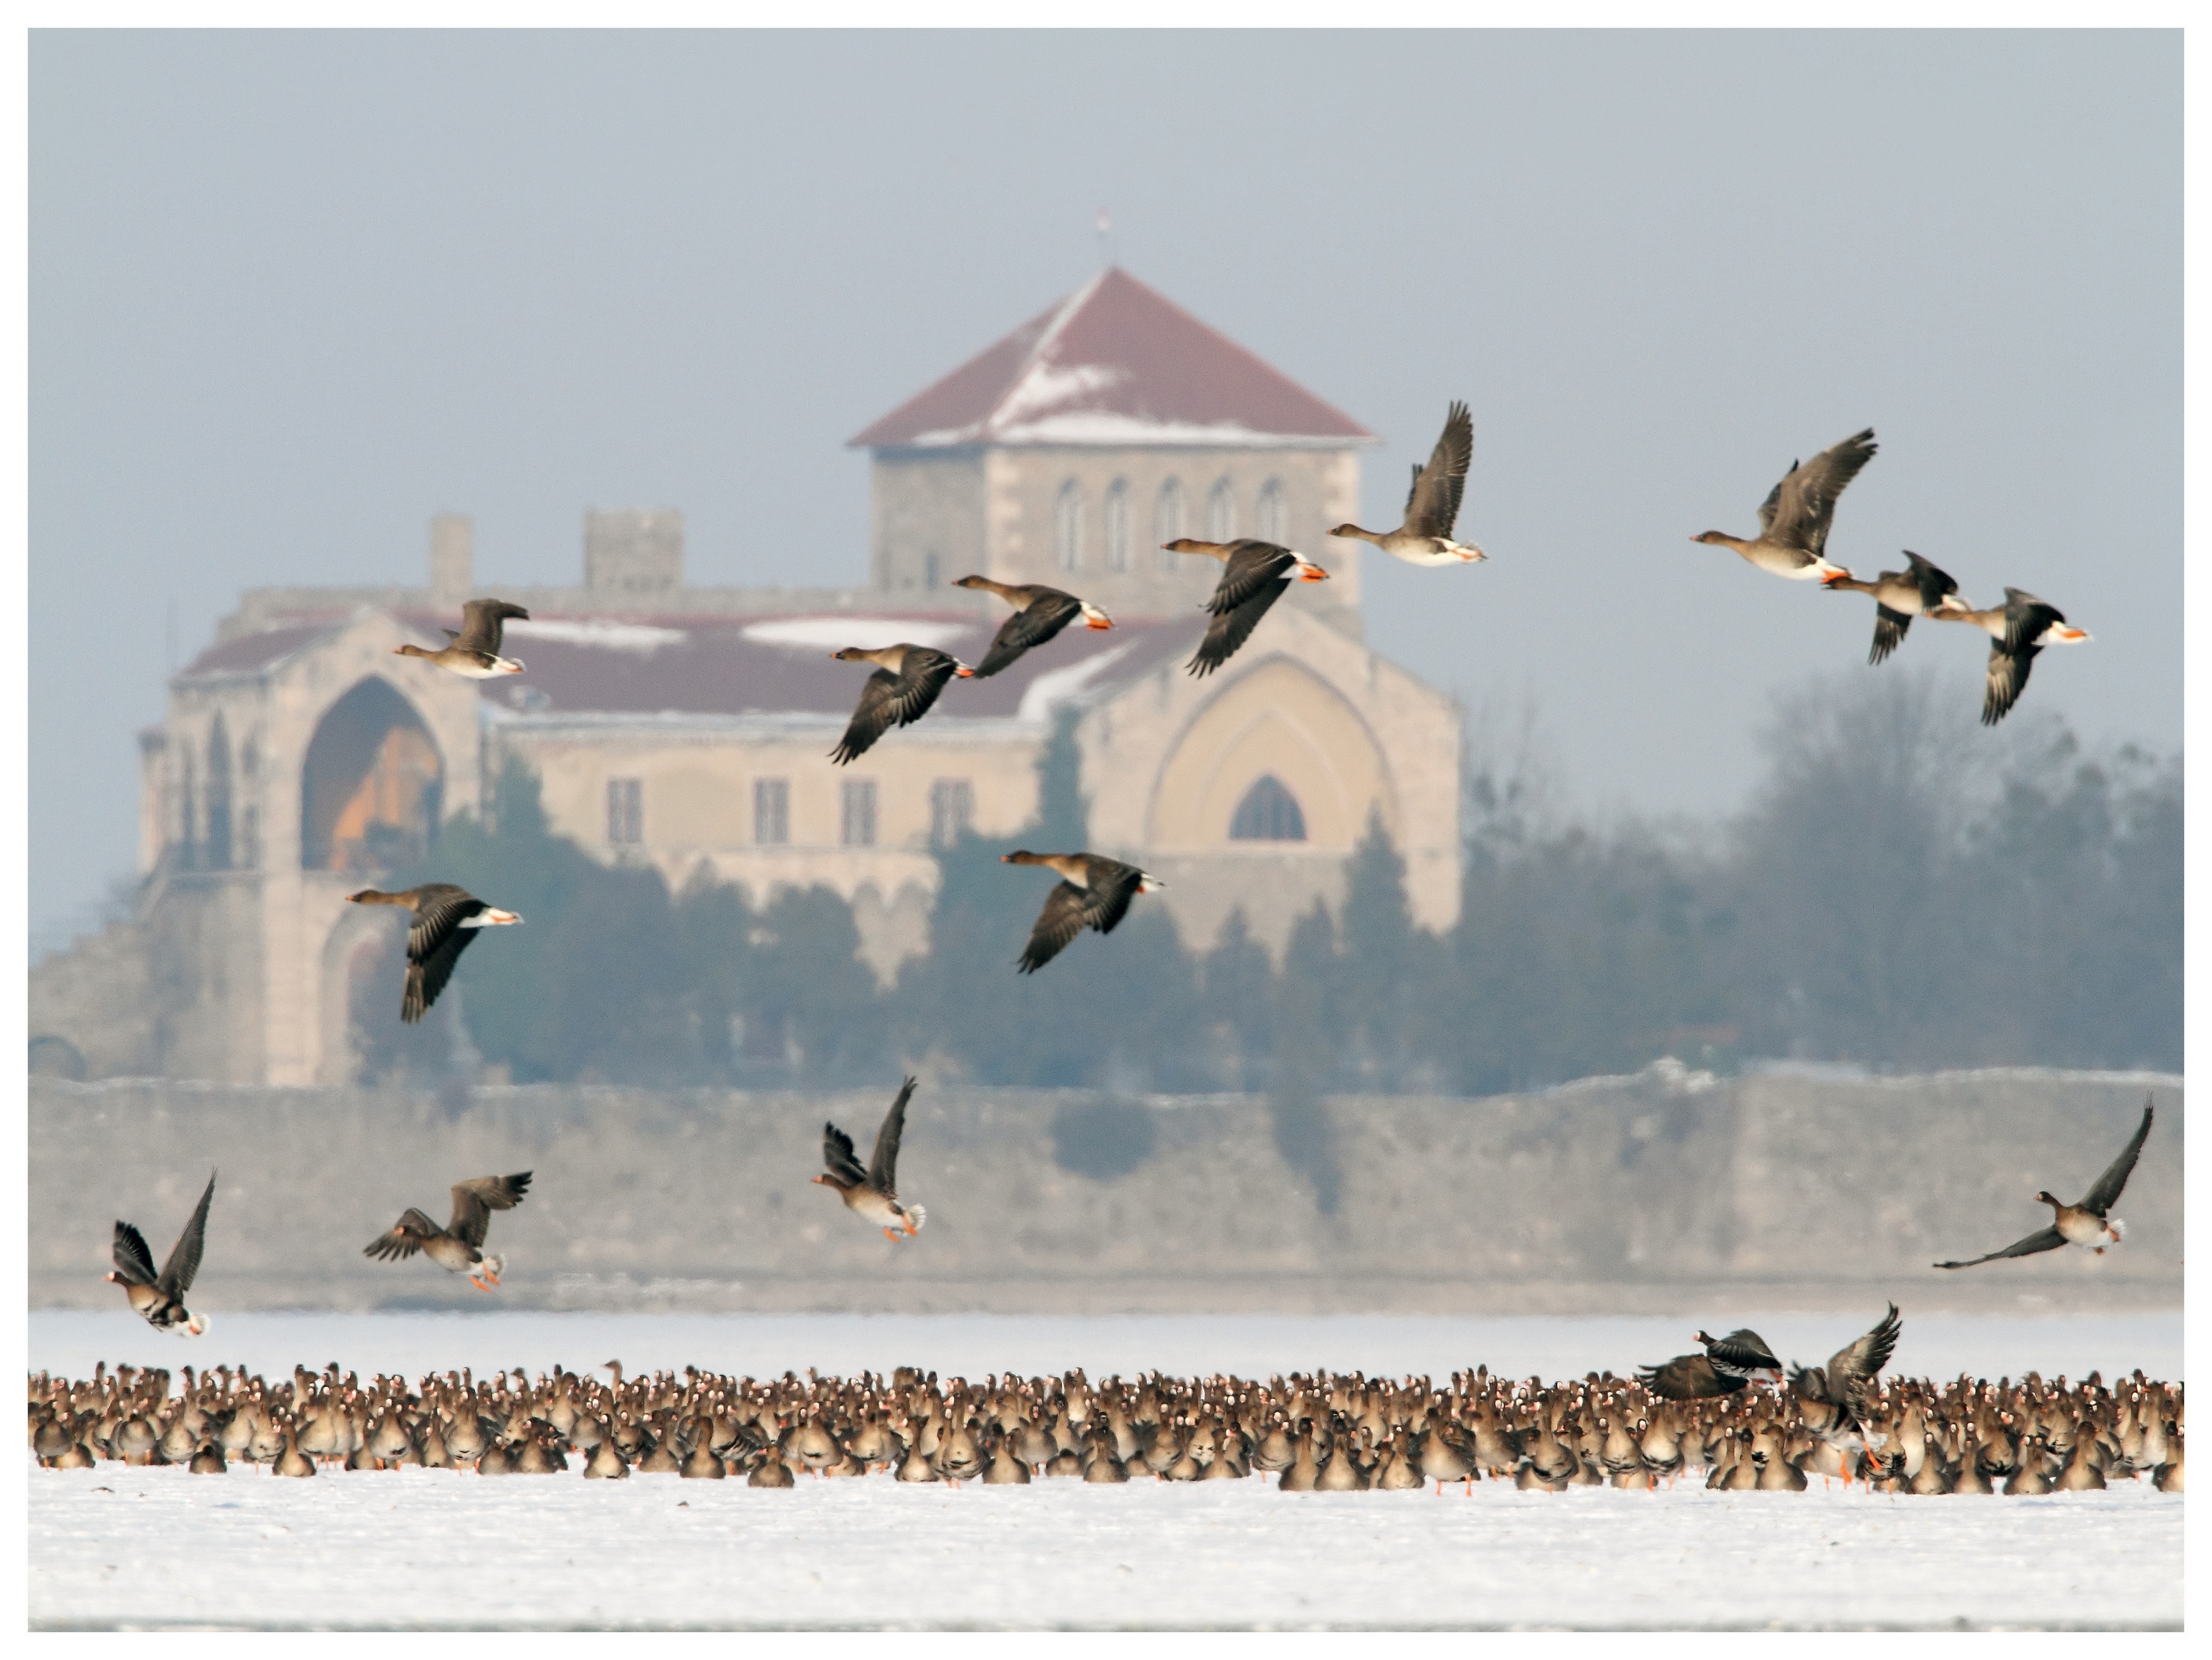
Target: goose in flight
[(907, 680), (1095, 892), (1834, 1399), (2087, 1224), (1254, 576), (1040, 613), (158, 1298), (446, 921), (1432, 504), (474, 651), (1920, 590), (2018, 629), (1726, 1366), (873, 1193), (457, 1247), (1793, 520)]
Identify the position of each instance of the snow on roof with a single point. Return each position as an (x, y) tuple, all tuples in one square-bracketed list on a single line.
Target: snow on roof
[(1116, 363), (868, 633), (607, 635)]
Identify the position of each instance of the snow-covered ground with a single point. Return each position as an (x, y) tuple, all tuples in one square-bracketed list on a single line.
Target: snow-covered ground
[(420, 1547), (70, 1341), (159, 1546)]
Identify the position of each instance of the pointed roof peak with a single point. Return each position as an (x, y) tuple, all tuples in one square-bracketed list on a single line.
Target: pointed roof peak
[(1116, 363)]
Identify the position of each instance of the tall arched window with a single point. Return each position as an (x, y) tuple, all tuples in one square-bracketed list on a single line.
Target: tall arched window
[(218, 795), (1221, 512), (1117, 525), (1067, 527), (373, 785), (1268, 812), (1274, 513), (1167, 523)]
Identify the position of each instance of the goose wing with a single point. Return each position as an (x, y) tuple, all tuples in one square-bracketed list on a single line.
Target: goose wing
[(1044, 616), (882, 1168), (837, 1154), (132, 1260), (1933, 581), (482, 622), (1231, 628), (1249, 571), (1773, 501), (185, 1256), (404, 1237), (1113, 885), (439, 909), (1433, 505), (2102, 1197), (1059, 922), (1889, 631), (2049, 1239), (1687, 1377), (1740, 1354), (2005, 679), (1805, 500), (2027, 618), (1853, 1367), (426, 977), (890, 700), (475, 1201)]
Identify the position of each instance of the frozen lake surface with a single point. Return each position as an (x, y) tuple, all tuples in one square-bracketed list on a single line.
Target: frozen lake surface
[(415, 1547), (70, 1341), (161, 1548)]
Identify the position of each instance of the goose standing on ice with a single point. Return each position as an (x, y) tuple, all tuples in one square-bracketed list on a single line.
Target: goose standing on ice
[(2018, 629), (474, 651), (446, 921), (873, 1193), (2087, 1224), (1094, 893), (457, 1247), (1254, 576), (1040, 613), (907, 680), (158, 1298), (1432, 504), (1920, 590), (1793, 520)]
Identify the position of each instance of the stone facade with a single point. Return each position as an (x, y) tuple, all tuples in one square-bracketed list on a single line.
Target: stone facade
[(688, 728)]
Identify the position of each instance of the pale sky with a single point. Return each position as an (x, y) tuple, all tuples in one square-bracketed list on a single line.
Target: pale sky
[(291, 295)]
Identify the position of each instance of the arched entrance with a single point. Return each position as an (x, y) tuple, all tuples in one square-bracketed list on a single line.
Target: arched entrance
[(373, 784)]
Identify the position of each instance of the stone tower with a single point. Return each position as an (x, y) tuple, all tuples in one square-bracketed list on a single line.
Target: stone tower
[(1068, 451)]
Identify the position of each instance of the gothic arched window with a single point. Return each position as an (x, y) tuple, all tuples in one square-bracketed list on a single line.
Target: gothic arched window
[(1221, 512), (1167, 524), (1117, 525), (1268, 812), (1067, 527), (1274, 513)]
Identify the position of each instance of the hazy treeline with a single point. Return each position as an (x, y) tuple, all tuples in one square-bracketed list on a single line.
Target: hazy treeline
[(1904, 890)]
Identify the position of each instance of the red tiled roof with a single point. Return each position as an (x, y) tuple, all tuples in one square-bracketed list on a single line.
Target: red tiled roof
[(1115, 362), (250, 652)]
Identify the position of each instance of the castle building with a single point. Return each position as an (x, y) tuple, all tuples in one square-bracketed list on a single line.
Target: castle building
[(689, 728)]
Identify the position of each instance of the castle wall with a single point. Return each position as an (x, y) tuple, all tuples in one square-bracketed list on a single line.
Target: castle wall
[(1668, 1191)]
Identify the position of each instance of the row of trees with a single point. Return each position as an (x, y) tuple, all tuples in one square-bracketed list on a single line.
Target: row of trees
[(1905, 891)]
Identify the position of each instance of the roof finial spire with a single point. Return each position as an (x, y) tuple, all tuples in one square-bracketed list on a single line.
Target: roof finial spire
[(1105, 240)]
